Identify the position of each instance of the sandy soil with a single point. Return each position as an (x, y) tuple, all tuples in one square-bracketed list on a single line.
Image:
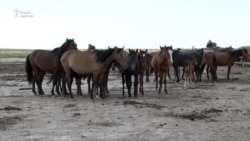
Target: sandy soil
[(205, 112)]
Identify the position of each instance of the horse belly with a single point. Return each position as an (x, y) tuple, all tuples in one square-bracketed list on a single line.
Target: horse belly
[(84, 68)]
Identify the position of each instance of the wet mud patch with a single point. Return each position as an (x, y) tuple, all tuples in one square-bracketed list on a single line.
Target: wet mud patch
[(8, 108), (205, 114), (143, 105), (104, 124), (6, 122)]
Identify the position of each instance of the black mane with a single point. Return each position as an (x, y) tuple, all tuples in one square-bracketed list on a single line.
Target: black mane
[(103, 55), (60, 50), (236, 53)]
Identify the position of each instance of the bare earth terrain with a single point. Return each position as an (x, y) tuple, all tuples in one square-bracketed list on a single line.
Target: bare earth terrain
[(208, 111)]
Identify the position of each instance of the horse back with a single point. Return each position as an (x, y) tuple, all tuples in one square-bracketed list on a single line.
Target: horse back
[(42, 60), (82, 62), (223, 58)]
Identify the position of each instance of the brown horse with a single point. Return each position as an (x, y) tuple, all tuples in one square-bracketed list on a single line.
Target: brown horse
[(92, 62), (209, 59), (161, 63), (40, 62), (228, 58), (189, 69), (143, 66)]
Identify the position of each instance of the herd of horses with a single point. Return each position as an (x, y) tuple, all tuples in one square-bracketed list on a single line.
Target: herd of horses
[(67, 62)]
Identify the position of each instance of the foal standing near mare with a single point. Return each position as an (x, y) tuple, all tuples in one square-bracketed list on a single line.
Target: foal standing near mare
[(133, 69), (189, 67), (179, 58), (143, 67), (161, 63), (40, 62)]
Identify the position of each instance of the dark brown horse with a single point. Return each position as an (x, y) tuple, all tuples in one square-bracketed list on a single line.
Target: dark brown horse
[(228, 58), (143, 67), (92, 62), (161, 63), (40, 62), (132, 70)]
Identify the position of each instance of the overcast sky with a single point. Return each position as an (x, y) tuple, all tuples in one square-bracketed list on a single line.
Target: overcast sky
[(45, 24)]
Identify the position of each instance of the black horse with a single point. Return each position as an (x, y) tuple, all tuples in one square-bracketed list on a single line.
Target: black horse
[(179, 58), (133, 69)]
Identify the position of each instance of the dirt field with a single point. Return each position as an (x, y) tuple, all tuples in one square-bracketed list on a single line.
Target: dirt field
[(205, 112)]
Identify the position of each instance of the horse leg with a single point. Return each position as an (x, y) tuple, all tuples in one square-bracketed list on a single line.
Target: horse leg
[(156, 80), (207, 69), (69, 82), (78, 84), (54, 83), (101, 85), (39, 83), (123, 81), (165, 82), (183, 70), (88, 80), (105, 85), (228, 72), (141, 83), (58, 86), (176, 70), (94, 84), (147, 74), (161, 78), (128, 83), (34, 79), (135, 85)]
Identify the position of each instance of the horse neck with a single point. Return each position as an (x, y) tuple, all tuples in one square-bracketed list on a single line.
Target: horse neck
[(166, 56), (236, 54), (108, 63)]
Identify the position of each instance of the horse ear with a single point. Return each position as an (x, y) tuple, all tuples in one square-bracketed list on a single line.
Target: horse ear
[(136, 50), (146, 51), (67, 39)]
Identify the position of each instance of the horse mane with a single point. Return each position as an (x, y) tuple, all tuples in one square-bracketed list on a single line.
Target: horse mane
[(103, 55), (236, 53), (55, 50), (60, 50)]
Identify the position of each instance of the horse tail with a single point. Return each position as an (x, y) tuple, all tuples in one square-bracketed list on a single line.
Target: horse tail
[(28, 69)]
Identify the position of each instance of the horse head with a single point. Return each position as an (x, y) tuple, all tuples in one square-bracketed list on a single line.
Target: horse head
[(245, 54), (69, 44), (120, 59), (143, 58), (91, 47)]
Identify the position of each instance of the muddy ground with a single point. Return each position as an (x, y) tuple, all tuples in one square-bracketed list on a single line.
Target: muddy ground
[(208, 111)]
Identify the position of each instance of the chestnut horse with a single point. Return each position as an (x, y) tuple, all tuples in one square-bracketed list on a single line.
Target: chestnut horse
[(228, 58), (209, 59), (189, 66), (40, 62), (143, 66), (161, 63), (92, 62)]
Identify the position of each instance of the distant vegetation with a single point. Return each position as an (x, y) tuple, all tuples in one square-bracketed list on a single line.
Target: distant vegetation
[(14, 53)]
